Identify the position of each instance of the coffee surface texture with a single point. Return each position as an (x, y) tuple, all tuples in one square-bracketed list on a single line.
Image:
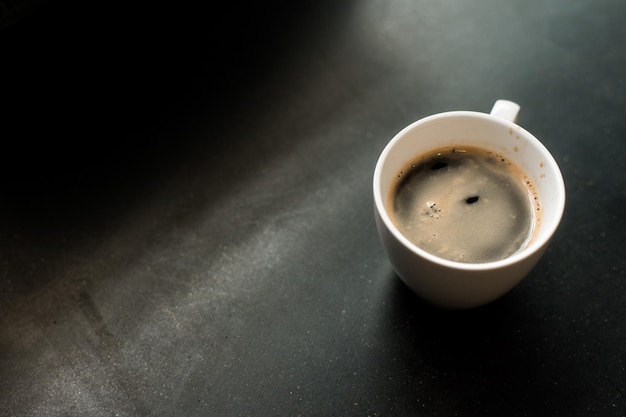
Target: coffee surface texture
[(465, 204)]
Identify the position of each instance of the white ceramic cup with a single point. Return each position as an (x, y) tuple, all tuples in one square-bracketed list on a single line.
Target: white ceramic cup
[(452, 284)]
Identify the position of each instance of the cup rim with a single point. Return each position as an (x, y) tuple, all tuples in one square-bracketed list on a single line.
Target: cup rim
[(527, 252)]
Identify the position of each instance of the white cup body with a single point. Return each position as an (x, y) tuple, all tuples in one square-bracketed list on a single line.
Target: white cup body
[(464, 285)]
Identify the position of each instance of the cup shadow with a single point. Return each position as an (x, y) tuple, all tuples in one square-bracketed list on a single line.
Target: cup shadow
[(482, 361)]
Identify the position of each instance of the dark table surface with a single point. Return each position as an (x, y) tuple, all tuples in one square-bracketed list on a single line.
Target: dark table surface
[(186, 220)]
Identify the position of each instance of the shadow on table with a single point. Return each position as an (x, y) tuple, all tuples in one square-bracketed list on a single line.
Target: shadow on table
[(485, 360), (100, 108)]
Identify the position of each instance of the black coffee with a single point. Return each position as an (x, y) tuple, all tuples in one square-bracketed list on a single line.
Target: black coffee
[(465, 204)]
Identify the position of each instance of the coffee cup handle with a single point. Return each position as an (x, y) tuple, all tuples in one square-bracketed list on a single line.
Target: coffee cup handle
[(505, 109)]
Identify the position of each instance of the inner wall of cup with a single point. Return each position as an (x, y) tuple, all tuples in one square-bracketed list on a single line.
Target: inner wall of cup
[(488, 132)]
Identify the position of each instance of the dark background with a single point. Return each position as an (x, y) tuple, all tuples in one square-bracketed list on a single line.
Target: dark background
[(186, 219)]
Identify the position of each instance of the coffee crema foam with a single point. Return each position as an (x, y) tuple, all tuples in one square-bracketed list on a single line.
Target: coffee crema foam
[(465, 204)]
